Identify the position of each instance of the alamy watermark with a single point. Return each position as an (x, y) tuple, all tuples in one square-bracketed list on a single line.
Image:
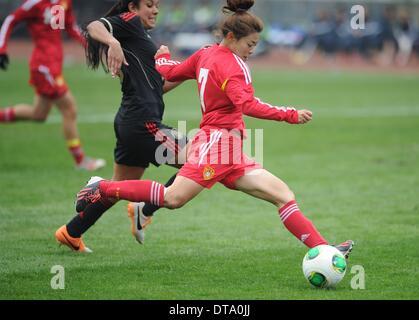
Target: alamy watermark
[(58, 280), (55, 17), (210, 147), (358, 278), (358, 18)]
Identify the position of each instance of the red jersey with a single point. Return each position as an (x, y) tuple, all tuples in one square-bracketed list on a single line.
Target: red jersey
[(48, 49), (225, 88)]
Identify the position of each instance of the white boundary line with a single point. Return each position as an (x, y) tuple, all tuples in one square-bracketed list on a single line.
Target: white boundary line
[(319, 113)]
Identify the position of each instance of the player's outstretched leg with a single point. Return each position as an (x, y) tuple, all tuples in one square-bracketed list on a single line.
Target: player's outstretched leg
[(99, 192), (178, 194), (7, 115), (141, 215), (264, 185), (38, 112)]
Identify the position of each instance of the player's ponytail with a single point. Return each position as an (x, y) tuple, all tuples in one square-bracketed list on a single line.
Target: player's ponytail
[(96, 52), (239, 21), (239, 6)]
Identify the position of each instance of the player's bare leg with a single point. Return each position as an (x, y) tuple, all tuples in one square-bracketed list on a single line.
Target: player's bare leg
[(181, 192), (67, 106), (264, 185), (123, 172), (68, 109), (37, 112)]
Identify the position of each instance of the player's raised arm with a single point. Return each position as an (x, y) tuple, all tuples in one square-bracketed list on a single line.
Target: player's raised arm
[(242, 94), (97, 31), (25, 11), (175, 71)]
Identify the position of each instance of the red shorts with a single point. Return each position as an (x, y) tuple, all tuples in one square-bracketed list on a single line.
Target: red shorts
[(48, 82), (216, 155)]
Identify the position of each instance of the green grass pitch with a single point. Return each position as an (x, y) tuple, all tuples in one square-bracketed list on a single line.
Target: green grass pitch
[(354, 170)]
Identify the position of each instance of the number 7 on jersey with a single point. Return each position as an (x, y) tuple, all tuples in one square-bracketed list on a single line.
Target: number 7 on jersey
[(203, 78)]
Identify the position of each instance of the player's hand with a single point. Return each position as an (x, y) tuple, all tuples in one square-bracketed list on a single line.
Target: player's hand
[(4, 61), (116, 58), (304, 116), (162, 50)]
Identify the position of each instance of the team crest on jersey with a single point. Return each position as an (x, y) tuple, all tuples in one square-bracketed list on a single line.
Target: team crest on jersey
[(208, 173)]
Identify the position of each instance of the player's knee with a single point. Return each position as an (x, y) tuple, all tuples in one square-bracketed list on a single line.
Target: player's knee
[(70, 113), (284, 198), (40, 117), (174, 202)]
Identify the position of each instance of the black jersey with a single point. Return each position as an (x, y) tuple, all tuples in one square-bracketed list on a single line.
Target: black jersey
[(142, 85)]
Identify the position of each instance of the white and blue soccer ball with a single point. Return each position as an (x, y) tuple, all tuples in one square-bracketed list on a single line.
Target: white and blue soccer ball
[(324, 266)]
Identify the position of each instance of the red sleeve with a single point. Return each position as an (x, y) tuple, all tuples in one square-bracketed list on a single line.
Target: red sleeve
[(177, 71), (71, 26), (241, 93), (27, 10)]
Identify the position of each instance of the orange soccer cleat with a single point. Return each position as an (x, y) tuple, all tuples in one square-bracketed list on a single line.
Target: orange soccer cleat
[(75, 244)]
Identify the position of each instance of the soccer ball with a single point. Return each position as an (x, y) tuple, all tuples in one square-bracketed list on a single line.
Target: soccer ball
[(324, 266)]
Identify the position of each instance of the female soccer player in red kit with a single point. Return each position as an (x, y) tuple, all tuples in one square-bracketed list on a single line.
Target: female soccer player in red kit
[(46, 70), (216, 155)]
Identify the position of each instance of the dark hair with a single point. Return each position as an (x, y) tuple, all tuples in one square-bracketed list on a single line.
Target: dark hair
[(121, 7), (97, 51), (239, 21)]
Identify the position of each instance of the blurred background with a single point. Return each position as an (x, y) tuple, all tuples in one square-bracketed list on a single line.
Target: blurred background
[(304, 33)]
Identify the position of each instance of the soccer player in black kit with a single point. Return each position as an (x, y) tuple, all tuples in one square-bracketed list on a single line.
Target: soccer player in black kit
[(122, 39)]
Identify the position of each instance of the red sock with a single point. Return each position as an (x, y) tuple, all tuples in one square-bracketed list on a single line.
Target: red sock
[(300, 226), (7, 115), (74, 146), (134, 190)]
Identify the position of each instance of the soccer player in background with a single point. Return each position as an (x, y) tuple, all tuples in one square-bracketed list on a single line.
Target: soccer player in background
[(122, 36), (216, 155), (46, 72)]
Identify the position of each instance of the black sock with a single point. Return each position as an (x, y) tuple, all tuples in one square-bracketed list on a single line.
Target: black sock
[(84, 220), (149, 209)]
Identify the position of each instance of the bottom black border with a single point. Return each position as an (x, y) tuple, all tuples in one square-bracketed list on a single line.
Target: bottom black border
[(210, 309)]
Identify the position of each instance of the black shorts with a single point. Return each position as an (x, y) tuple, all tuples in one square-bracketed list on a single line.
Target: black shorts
[(142, 143)]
